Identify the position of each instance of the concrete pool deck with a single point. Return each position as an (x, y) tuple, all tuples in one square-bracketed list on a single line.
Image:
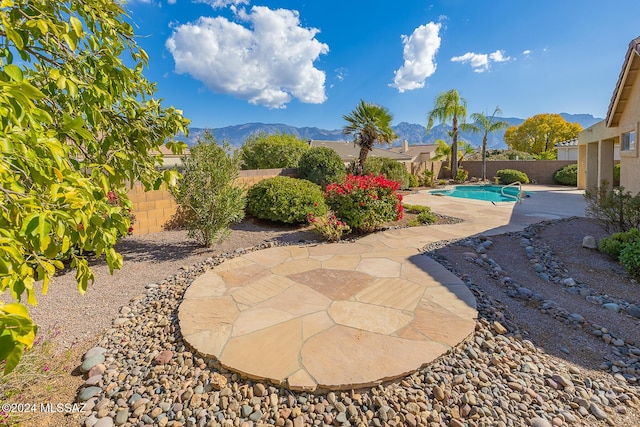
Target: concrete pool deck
[(350, 315)]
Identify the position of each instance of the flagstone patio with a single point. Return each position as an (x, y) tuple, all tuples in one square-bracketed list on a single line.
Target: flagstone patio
[(343, 315)]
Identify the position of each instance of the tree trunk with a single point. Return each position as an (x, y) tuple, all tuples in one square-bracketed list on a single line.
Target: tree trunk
[(484, 157), (454, 149)]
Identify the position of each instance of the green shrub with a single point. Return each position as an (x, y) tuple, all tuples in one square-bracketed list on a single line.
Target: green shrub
[(462, 175), (329, 226), (365, 202), (630, 258), (321, 165), (616, 175), (614, 244), (426, 178), (285, 199), (413, 181), (567, 175), (270, 151), (208, 198), (415, 209), (616, 209), (389, 168), (509, 176)]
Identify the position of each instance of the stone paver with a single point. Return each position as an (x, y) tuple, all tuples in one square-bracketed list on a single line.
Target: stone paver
[(348, 315)]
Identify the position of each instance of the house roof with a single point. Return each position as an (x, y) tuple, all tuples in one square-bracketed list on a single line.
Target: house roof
[(569, 143), (624, 85), (349, 152), (415, 150)]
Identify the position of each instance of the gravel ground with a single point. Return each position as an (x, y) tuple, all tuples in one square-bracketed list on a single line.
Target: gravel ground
[(547, 350)]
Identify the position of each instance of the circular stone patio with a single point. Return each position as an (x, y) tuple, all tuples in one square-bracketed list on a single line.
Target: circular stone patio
[(332, 316)]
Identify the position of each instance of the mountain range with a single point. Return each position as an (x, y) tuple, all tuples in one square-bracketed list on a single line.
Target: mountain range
[(412, 132)]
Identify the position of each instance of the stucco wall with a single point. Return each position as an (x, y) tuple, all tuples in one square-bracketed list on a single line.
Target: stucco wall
[(630, 160), (540, 171), (153, 209)]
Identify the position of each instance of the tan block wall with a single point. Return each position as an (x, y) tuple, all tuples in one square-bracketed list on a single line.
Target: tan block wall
[(540, 171), (153, 209)]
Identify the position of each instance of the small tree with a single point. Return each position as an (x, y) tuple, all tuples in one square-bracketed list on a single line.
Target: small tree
[(485, 125), (271, 151), (449, 105), (322, 166), (539, 134), (210, 200)]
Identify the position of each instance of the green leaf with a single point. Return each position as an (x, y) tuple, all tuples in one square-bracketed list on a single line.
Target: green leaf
[(13, 358), (77, 25), (14, 72), (7, 345)]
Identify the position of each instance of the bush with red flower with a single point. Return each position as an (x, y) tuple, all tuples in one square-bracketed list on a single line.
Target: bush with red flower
[(365, 202), (329, 226)]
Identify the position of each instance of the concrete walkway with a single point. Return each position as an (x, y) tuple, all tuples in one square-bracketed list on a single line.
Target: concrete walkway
[(349, 315)]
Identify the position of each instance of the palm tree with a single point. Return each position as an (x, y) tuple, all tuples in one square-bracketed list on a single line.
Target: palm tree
[(449, 106), (369, 124), (485, 125)]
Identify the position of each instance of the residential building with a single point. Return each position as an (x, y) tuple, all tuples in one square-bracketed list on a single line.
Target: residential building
[(350, 152)]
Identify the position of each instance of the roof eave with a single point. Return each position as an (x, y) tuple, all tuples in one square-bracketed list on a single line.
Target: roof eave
[(634, 49)]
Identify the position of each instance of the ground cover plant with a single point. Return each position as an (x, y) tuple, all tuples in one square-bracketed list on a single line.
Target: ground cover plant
[(285, 199), (210, 201), (365, 202)]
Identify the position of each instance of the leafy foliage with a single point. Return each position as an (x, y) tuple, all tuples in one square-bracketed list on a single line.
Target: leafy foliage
[(462, 175), (425, 215), (77, 123), (365, 202), (285, 199), (321, 165), (270, 151), (614, 244), (369, 124), (329, 226), (389, 168), (539, 134), (616, 209), (509, 176), (567, 175), (413, 181), (447, 106), (210, 200), (630, 258), (616, 175)]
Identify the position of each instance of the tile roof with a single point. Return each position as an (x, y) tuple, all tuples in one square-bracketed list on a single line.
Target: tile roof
[(569, 143), (349, 152), (625, 82)]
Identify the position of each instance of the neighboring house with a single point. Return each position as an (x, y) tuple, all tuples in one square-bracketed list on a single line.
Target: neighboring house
[(567, 150), (418, 153), (350, 152), (596, 144)]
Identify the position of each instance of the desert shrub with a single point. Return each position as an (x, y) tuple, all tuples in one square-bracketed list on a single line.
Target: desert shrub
[(210, 201), (285, 199), (321, 165), (462, 175), (567, 175), (616, 175), (329, 226), (614, 244), (630, 258), (365, 202), (415, 209), (413, 181), (426, 178), (509, 176), (425, 215), (269, 151), (389, 168), (616, 210)]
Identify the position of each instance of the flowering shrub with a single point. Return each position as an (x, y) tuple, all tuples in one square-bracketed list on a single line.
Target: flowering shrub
[(365, 202), (329, 226)]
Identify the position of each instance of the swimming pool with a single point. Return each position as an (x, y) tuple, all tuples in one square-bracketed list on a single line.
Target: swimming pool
[(490, 193)]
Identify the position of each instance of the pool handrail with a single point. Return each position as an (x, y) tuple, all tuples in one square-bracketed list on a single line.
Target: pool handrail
[(519, 196)]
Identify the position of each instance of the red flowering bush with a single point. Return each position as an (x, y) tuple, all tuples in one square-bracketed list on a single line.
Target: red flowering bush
[(329, 226), (365, 202)]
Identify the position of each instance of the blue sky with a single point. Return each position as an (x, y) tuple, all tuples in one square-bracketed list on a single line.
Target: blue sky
[(307, 63)]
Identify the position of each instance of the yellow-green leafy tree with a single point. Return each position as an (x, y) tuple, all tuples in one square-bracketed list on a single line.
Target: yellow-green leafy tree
[(538, 134), (77, 125)]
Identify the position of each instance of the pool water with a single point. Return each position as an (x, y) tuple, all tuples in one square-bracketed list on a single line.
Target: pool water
[(490, 193)]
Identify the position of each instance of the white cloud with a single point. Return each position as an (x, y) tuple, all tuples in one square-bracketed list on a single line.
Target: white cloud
[(526, 52), (216, 4), (419, 57), (268, 64), (481, 62)]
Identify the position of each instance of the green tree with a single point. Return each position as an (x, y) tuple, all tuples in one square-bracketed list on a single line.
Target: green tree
[(270, 151), (485, 125), (449, 106), (369, 124), (77, 125), (539, 134), (207, 194)]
